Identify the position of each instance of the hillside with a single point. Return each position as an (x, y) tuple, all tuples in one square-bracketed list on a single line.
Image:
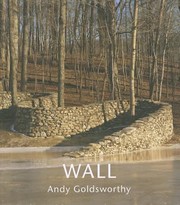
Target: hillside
[(72, 97)]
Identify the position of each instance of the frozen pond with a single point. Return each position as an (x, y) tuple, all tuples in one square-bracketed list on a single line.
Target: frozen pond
[(151, 176)]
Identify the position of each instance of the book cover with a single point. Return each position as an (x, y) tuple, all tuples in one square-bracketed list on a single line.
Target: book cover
[(89, 102)]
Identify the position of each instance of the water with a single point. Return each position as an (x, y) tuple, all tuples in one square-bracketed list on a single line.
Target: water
[(151, 176)]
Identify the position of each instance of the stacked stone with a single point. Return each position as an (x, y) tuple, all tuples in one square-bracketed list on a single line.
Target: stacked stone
[(25, 123), (5, 99), (40, 117), (1, 86), (46, 101), (147, 132), (49, 121)]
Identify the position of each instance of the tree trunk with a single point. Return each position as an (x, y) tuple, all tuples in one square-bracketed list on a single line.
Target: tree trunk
[(13, 41), (112, 51), (2, 32), (25, 45), (164, 55), (154, 78), (91, 36), (61, 53), (133, 59)]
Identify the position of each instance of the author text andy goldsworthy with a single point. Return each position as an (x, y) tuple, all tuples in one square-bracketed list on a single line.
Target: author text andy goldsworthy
[(80, 171)]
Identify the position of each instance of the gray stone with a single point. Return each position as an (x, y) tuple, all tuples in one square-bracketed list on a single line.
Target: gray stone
[(43, 134)]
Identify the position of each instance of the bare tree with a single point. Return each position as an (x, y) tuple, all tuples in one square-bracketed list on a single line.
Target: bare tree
[(154, 75), (25, 45), (2, 31), (98, 41), (133, 58), (165, 45), (61, 52), (13, 42)]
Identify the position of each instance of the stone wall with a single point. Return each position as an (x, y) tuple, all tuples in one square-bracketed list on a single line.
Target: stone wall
[(46, 101), (5, 99), (44, 119), (40, 117), (29, 100), (1, 86), (147, 132)]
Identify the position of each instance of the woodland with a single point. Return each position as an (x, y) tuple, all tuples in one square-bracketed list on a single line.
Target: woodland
[(91, 50)]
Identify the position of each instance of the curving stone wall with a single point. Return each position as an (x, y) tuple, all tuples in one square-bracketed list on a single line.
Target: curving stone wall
[(44, 119), (40, 117), (147, 132)]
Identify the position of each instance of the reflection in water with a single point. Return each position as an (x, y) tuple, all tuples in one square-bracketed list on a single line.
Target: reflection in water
[(55, 159), (30, 155), (25, 158), (141, 156)]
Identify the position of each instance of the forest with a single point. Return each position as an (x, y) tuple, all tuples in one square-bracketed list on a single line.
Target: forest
[(91, 50)]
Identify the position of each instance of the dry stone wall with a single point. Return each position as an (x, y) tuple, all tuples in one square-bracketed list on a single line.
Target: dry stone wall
[(147, 132), (47, 101), (47, 120), (40, 117), (1, 86), (5, 99)]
